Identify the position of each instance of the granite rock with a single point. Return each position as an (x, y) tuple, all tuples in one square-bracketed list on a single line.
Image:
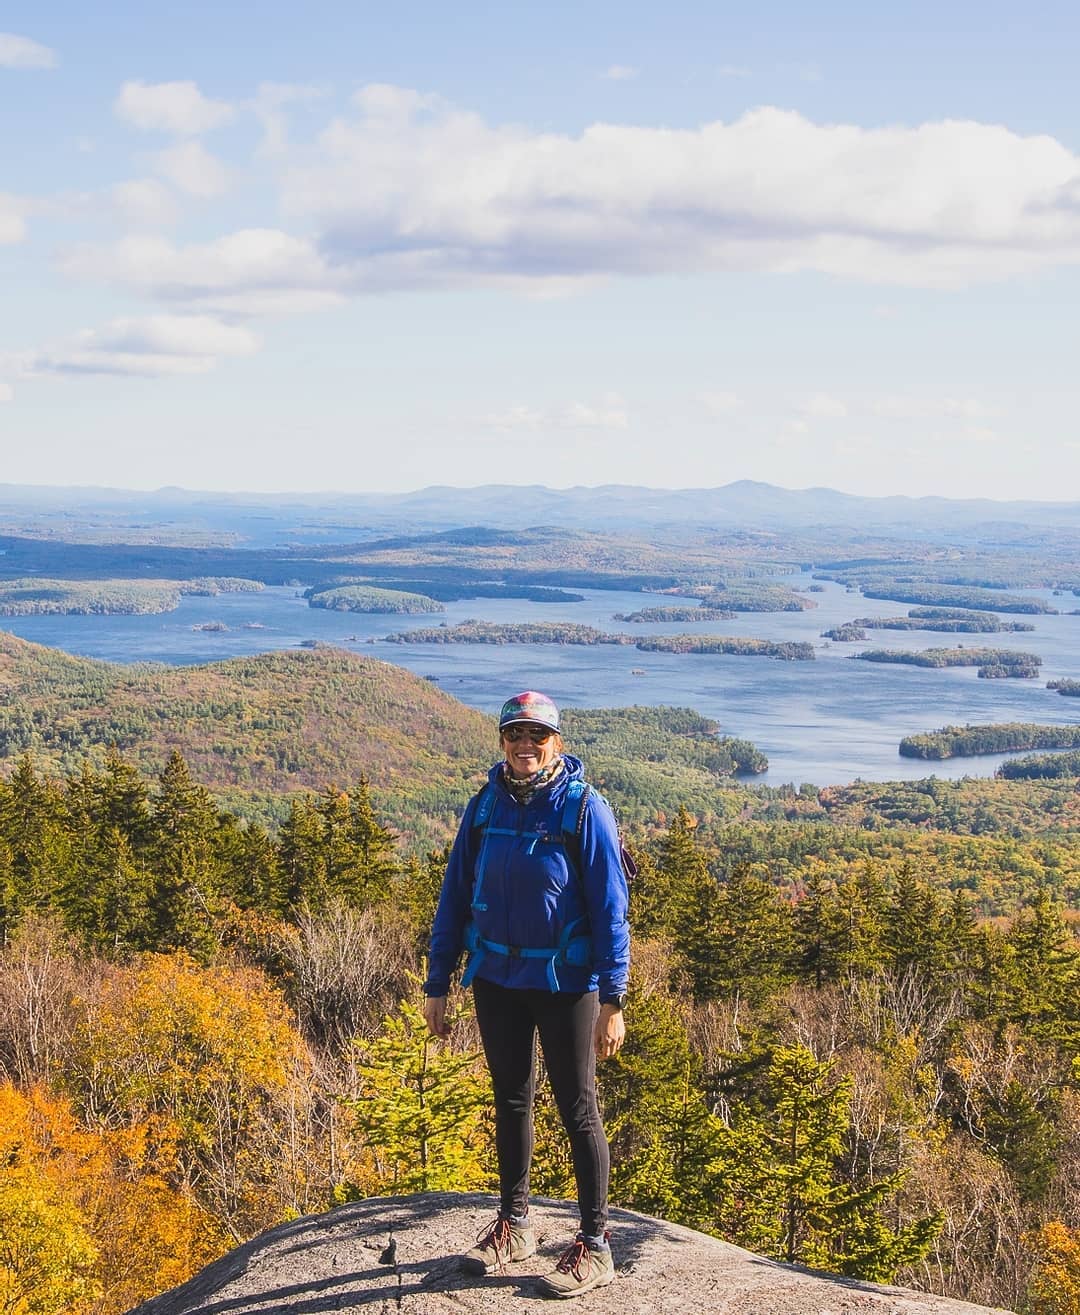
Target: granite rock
[(399, 1255)]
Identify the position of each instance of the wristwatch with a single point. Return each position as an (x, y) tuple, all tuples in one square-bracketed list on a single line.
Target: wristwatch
[(619, 1001)]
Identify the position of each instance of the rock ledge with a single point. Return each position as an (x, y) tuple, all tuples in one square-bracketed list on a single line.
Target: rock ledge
[(342, 1261)]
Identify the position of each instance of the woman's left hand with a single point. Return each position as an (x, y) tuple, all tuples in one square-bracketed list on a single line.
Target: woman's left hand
[(610, 1031)]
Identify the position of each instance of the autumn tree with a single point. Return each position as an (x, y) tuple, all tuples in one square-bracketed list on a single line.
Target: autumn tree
[(419, 1109)]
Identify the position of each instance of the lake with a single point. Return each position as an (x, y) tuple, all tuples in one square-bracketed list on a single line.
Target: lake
[(825, 722)]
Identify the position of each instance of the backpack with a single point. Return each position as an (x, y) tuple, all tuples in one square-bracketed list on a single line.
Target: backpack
[(571, 821), (573, 948)]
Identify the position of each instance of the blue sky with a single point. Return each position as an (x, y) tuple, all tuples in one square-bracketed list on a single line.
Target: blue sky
[(362, 247)]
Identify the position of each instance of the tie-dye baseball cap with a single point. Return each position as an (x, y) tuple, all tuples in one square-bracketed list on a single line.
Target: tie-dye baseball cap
[(529, 706)]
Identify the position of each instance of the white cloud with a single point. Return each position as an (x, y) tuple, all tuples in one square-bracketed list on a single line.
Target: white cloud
[(979, 434), (515, 417), (610, 413), (150, 345), (931, 408), (270, 104), (413, 192), (251, 272), (12, 224), (143, 203), (7, 393), (21, 52), (734, 71), (383, 100), (191, 168), (620, 73), (720, 404), (179, 108), (823, 407)]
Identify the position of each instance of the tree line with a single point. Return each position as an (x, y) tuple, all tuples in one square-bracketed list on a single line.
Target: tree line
[(206, 1027)]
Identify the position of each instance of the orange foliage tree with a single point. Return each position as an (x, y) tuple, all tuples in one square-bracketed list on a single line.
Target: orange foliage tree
[(88, 1223)]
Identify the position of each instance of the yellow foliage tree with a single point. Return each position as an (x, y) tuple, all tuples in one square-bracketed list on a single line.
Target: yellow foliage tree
[(87, 1221), (46, 1255), (202, 1054), (1055, 1283)]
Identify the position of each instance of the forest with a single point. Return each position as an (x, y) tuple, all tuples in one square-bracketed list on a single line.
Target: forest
[(1004, 737), (41, 597), (990, 661), (854, 1022), (863, 1060), (368, 598)]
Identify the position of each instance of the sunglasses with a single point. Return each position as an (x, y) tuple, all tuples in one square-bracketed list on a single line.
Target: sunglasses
[(538, 734)]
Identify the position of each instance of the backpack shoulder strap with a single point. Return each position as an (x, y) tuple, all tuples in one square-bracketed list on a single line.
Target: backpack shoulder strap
[(485, 803), (575, 805)]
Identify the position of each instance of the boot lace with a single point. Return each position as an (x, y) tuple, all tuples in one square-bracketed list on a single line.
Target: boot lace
[(496, 1237), (576, 1258)]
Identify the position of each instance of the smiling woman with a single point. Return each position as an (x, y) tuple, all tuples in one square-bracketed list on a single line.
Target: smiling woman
[(535, 891)]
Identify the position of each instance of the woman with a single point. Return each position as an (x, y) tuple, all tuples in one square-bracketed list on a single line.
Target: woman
[(535, 890)]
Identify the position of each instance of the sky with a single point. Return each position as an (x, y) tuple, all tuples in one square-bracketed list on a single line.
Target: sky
[(354, 247)]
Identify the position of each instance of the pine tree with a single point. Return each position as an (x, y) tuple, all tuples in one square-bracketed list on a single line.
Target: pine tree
[(1046, 1000), (300, 856), (374, 849), (186, 898), (797, 1115), (914, 930), (35, 844), (420, 1109), (752, 938), (420, 883)]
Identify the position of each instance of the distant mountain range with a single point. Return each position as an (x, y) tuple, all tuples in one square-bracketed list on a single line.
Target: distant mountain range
[(745, 504)]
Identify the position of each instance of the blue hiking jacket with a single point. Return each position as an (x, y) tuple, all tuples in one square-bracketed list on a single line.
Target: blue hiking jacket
[(530, 895)]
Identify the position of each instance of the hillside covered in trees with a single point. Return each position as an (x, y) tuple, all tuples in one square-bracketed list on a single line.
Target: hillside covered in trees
[(256, 730), (854, 1036), (206, 1027)]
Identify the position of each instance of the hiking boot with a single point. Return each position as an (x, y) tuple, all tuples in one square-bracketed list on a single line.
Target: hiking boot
[(504, 1242), (580, 1269)]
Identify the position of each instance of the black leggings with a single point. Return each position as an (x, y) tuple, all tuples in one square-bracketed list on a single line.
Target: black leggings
[(566, 1021)]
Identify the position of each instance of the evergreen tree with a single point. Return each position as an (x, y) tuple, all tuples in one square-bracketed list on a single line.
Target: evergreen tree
[(420, 884), (420, 1109), (255, 877), (374, 851), (186, 898), (300, 856), (914, 932), (823, 929), (1046, 999), (36, 846), (798, 1117), (665, 1143), (751, 938), (117, 902)]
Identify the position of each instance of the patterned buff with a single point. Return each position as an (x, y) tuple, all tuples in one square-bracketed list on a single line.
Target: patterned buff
[(523, 788)]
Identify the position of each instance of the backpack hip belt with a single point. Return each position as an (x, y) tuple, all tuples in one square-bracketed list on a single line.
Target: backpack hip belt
[(572, 950)]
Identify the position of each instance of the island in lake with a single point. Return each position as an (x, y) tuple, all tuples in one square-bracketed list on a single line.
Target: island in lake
[(47, 597), (567, 632), (1001, 737), (993, 663), (371, 599), (942, 620)]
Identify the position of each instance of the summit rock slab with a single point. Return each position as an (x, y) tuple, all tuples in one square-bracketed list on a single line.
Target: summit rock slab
[(399, 1255)]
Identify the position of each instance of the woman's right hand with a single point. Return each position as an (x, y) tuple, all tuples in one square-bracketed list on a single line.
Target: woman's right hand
[(435, 1016)]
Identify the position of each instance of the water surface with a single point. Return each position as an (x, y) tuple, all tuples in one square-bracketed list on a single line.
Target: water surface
[(826, 722)]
